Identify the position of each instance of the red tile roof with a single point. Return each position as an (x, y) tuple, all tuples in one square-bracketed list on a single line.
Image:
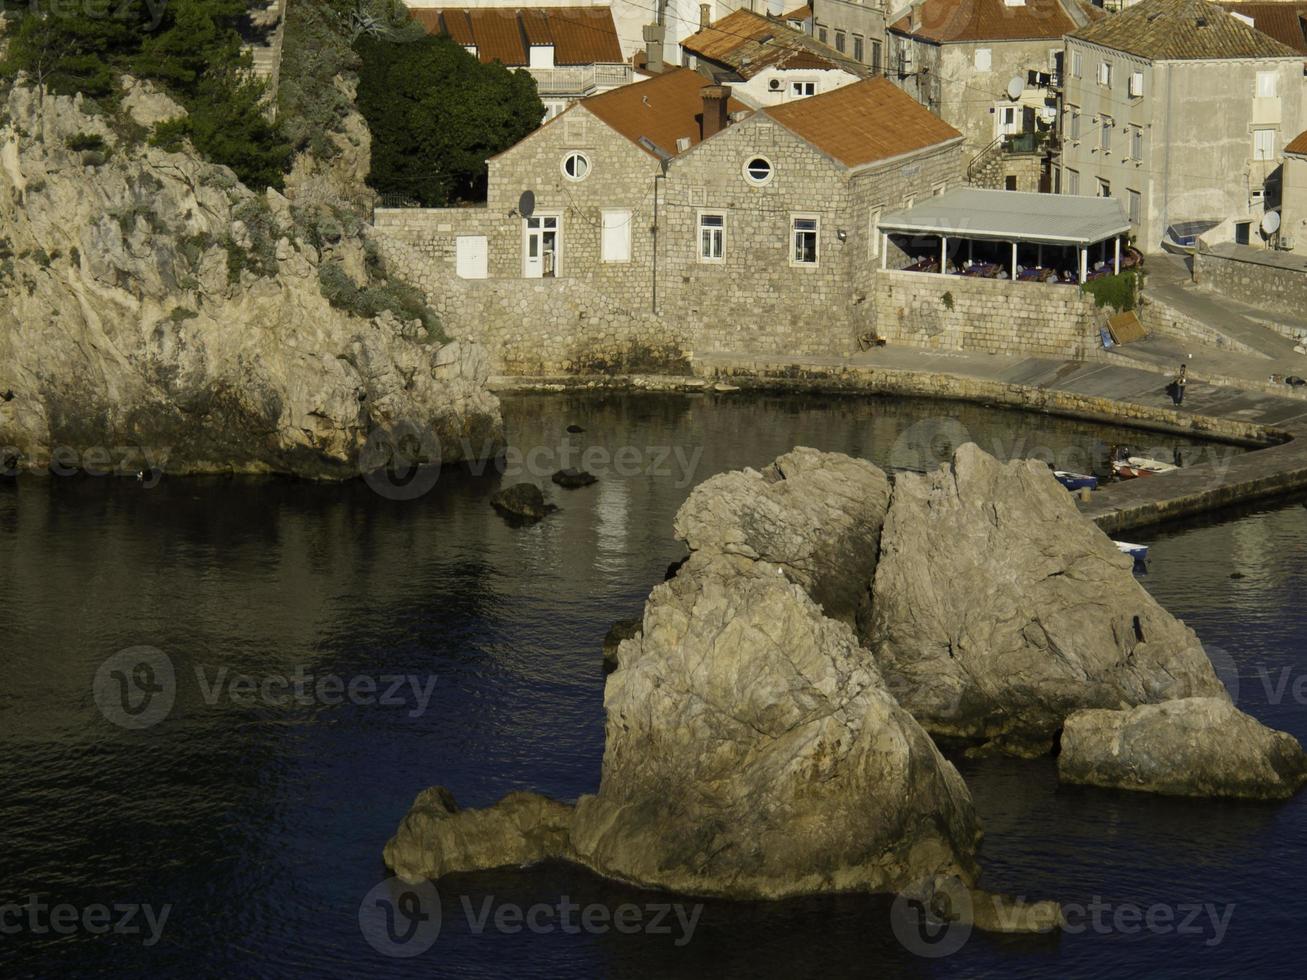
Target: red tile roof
[(661, 110), (580, 35), (991, 20), (747, 43), (1298, 144), (1286, 22), (864, 122), (1182, 30)]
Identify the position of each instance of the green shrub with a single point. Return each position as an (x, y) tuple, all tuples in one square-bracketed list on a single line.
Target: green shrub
[(401, 299), (1119, 292), (180, 314), (86, 141), (947, 299)]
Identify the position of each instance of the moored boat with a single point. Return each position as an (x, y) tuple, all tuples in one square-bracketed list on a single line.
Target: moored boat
[(1136, 466), (1076, 481), (1139, 552)]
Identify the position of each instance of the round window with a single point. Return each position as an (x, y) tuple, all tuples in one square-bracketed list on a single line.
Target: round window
[(758, 171), (576, 166)]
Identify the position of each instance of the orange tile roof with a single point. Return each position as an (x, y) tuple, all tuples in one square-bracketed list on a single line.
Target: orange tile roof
[(1298, 144), (1286, 22), (580, 35), (864, 122), (662, 109), (990, 20), (1182, 30), (747, 43), (798, 13)]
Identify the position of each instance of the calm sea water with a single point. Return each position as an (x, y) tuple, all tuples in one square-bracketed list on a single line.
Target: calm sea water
[(260, 825)]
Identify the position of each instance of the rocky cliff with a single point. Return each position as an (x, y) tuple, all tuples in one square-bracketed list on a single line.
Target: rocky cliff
[(158, 313)]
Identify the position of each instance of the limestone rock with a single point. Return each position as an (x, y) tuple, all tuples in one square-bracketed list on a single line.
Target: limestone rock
[(522, 502), (1187, 747), (623, 629), (127, 324), (437, 838), (816, 515), (146, 105), (753, 751), (573, 479), (997, 609)]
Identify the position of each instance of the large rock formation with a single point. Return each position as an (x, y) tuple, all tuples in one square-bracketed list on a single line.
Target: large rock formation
[(998, 609), (753, 751), (1189, 747), (156, 308), (816, 515)]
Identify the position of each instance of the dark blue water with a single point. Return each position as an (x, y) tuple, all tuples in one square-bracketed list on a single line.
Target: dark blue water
[(259, 825)]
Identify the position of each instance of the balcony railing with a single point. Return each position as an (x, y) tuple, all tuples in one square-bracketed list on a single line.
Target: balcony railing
[(582, 80)]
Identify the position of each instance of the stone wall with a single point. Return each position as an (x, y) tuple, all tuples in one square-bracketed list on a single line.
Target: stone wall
[(991, 315), (1271, 281)]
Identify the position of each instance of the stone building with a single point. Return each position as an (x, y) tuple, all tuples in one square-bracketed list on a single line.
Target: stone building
[(1180, 110), (666, 209), (1293, 195), (991, 68), (572, 52), (852, 27), (765, 61)]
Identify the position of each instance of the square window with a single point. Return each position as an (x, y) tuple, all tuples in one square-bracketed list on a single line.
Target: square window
[(802, 90), (803, 236), (712, 237), (984, 59), (1267, 85), (1104, 188), (1105, 73)]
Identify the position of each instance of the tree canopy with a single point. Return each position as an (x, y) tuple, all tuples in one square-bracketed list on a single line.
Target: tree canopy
[(437, 114), (191, 47)]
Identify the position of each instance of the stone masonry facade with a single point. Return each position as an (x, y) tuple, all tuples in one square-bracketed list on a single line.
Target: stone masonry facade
[(666, 303)]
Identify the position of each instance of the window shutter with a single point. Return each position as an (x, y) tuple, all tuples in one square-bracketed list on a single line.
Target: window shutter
[(616, 236), (471, 257)]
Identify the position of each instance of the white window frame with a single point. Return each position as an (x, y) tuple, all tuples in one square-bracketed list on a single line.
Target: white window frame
[(755, 181), (798, 86), (623, 223), (984, 59), (1077, 66), (721, 237), (1104, 187), (575, 154), (1136, 86), (1105, 74), (795, 231), (1264, 153), (1268, 85), (1073, 127)]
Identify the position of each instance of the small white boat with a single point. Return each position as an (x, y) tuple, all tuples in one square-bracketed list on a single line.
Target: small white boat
[(1136, 466), (1139, 552)]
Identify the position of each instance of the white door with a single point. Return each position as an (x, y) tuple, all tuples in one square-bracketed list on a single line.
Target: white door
[(1007, 121), (541, 247)]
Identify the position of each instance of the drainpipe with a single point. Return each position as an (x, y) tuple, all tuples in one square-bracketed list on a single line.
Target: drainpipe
[(653, 285)]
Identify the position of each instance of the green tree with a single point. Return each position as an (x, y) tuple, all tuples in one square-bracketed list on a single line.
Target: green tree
[(437, 114)]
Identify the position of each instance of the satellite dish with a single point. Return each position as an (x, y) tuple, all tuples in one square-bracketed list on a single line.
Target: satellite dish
[(526, 204), (1270, 222), (1015, 87)]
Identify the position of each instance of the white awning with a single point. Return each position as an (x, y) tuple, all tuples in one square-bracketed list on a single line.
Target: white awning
[(1011, 216)]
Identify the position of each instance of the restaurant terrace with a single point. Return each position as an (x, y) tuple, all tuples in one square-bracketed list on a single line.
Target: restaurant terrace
[(1009, 235)]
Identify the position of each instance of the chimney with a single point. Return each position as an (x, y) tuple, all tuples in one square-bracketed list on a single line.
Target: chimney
[(653, 47), (705, 15), (715, 100), (914, 16)]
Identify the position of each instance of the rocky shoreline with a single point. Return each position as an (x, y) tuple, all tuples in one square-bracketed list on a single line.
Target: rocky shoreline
[(160, 316), (769, 721)]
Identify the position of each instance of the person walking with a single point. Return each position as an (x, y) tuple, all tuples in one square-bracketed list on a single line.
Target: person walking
[(1178, 385)]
